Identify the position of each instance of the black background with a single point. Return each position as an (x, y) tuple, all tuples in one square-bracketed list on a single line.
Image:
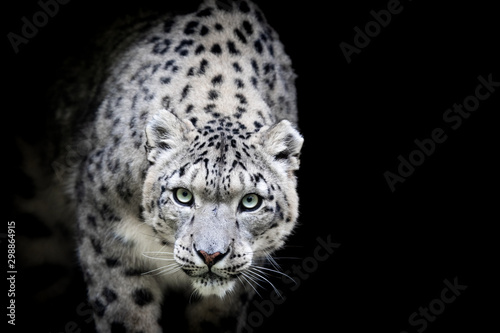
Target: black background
[(396, 248)]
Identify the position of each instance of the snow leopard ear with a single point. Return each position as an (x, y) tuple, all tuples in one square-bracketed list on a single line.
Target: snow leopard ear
[(283, 142), (164, 132)]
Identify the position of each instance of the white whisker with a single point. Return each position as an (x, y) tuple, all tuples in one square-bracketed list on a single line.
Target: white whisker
[(272, 261), (247, 278), (159, 252), (156, 258), (240, 280), (260, 268), (173, 270), (196, 294), (168, 269), (262, 278), (251, 275)]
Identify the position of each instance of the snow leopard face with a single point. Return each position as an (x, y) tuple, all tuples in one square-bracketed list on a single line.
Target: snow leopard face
[(221, 202)]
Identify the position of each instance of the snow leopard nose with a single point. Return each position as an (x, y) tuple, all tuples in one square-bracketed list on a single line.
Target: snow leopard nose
[(210, 259)]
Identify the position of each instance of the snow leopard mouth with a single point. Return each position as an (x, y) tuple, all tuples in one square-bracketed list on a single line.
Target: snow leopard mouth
[(210, 276), (212, 284)]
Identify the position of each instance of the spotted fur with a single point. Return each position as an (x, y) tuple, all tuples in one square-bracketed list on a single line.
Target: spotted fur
[(203, 102)]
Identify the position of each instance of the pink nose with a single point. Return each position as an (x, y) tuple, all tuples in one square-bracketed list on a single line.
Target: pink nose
[(210, 259)]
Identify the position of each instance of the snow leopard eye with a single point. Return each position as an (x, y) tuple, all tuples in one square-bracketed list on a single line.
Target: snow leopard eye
[(250, 202), (183, 197)]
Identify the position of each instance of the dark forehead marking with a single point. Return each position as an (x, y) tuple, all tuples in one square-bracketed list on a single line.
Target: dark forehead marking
[(220, 148)]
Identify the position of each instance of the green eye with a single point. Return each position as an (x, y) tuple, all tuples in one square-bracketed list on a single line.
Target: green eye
[(183, 196), (251, 202)]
